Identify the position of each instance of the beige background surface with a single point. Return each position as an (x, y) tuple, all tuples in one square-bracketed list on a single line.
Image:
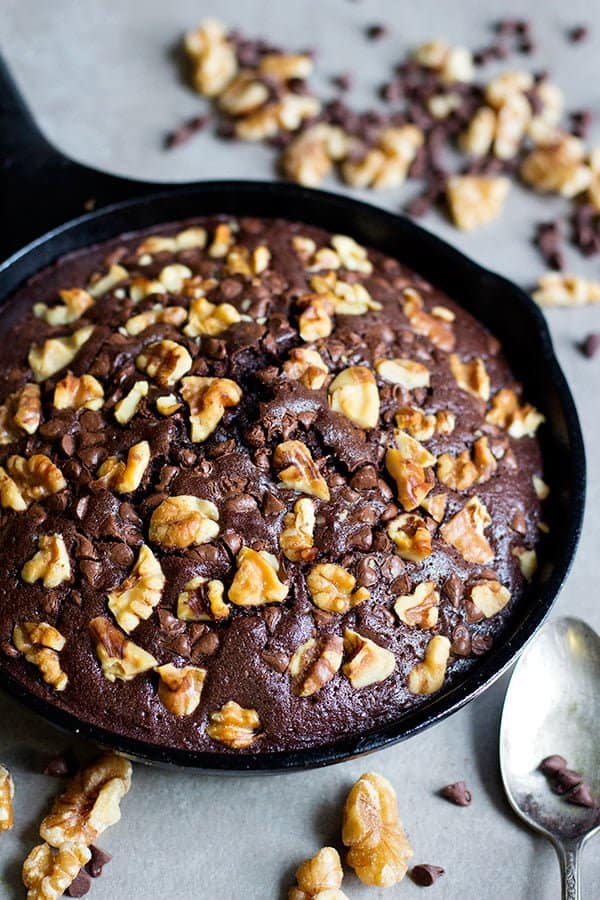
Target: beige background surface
[(100, 78)]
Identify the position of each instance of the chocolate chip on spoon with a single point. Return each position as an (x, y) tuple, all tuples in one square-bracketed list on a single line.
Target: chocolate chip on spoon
[(565, 780), (581, 795), (425, 875), (457, 793), (552, 764)]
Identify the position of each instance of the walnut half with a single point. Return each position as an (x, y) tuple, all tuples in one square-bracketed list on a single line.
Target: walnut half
[(184, 521), (256, 581), (50, 564), (208, 398), (298, 470), (40, 644), (7, 791), (47, 875), (118, 657), (179, 689), (135, 598), (319, 878), (315, 663), (331, 588), (427, 676), (420, 608), (234, 726), (368, 663)]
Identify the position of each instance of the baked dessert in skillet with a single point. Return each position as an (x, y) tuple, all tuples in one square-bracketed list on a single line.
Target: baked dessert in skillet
[(261, 488)]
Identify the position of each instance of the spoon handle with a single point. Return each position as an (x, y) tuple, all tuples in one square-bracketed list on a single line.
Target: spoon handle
[(568, 855)]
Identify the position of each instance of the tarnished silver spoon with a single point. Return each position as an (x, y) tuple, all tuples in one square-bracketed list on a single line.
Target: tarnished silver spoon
[(552, 706)]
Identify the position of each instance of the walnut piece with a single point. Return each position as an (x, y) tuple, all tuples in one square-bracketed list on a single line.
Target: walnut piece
[(256, 581), (386, 164), (128, 406), (471, 376), (296, 539), (78, 392), (249, 263), (465, 531), (368, 663), (435, 505), (378, 847), (558, 167), (507, 412), (331, 588), (102, 284), (234, 726), (47, 875), (179, 689), (89, 804), (475, 200), (172, 315), (405, 372), (345, 298), (135, 598), (126, 476), (164, 361), (489, 597), (468, 468), (437, 330), (56, 353), (26, 480), (209, 318), (183, 521), (7, 792), (527, 561), (411, 536), (542, 490), (40, 644), (167, 404), (212, 56), (319, 878), (118, 657), (560, 289), (307, 366), (412, 450), (419, 609), (208, 398), (188, 239), (298, 470), (202, 600), (427, 676), (353, 392), (479, 135), (412, 483), (315, 320), (50, 564), (20, 412), (315, 663), (423, 426), (74, 303), (309, 158)]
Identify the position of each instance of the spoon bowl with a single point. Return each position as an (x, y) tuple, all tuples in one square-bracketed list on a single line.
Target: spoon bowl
[(552, 706)]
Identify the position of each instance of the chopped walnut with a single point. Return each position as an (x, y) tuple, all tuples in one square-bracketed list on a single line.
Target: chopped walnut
[(353, 256), (298, 470), (125, 476), (468, 468), (378, 847), (435, 505), (244, 94), (212, 56), (489, 597), (471, 376), (331, 588), (7, 791), (542, 491), (26, 480), (183, 521), (309, 158), (256, 581), (20, 412), (465, 531), (118, 657), (345, 298), (167, 404), (40, 644), (307, 366), (78, 392), (420, 608), (172, 315), (50, 564), (479, 135), (415, 422), (427, 676), (209, 318), (527, 561), (286, 114), (315, 320), (296, 539), (188, 239), (411, 536), (432, 327), (475, 200), (56, 353), (89, 804), (405, 372), (319, 878), (140, 288), (222, 241), (559, 289), (126, 408), (179, 689), (135, 598), (558, 167), (353, 392), (369, 663), (412, 483), (234, 726), (506, 85), (249, 263), (208, 398), (164, 361), (47, 874), (412, 450), (174, 276), (386, 164), (202, 600), (519, 421), (103, 284), (315, 663), (74, 303)]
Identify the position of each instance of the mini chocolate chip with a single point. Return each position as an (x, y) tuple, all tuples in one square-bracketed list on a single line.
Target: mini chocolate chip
[(208, 644), (391, 568), (272, 616), (8, 650), (565, 780), (185, 131), (80, 885), (591, 344), (425, 874), (480, 644), (474, 614), (276, 661), (581, 795), (457, 793), (98, 860), (57, 767), (400, 585), (272, 505), (367, 571), (518, 522), (552, 764), (461, 641), (376, 31), (232, 540), (67, 444), (453, 589), (343, 81), (365, 479), (578, 34)]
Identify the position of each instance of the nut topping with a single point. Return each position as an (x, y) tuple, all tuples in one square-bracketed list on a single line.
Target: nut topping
[(369, 663), (50, 564), (126, 408), (348, 299), (331, 588), (296, 539), (412, 482), (319, 878), (435, 505), (560, 289), (256, 581), (489, 597), (184, 521), (471, 376), (475, 200), (27, 480), (234, 726), (378, 847), (179, 689), (354, 394), (126, 476), (352, 256), (307, 366), (405, 372), (466, 469), (172, 315), (7, 792), (315, 663), (427, 677), (74, 303), (298, 471), (73, 392), (309, 158), (208, 398), (465, 531), (212, 57), (164, 361), (135, 598), (420, 608), (412, 451), (527, 561), (102, 284), (432, 327), (40, 644), (47, 875), (20, 412), (519, 421), (56, 353), (411, 537), (202, 600), (542, 491), (118, 657), (558, 167), (209, 318), (315, 320)]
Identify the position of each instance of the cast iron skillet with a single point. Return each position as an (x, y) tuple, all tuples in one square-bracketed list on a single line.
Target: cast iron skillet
[(42, 191)]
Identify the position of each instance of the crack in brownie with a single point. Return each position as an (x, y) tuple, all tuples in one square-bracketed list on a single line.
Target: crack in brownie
[(260, 487)]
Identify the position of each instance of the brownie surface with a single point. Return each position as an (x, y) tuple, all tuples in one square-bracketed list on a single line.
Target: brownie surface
[(274, 289)]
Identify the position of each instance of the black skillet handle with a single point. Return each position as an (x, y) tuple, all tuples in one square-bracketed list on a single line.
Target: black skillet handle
[(39, 186)]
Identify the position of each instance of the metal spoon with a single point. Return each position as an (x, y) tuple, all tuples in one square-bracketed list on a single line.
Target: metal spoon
[(552, 706)]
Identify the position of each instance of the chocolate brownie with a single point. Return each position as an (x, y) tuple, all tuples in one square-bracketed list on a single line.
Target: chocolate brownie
[(261, 488)]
